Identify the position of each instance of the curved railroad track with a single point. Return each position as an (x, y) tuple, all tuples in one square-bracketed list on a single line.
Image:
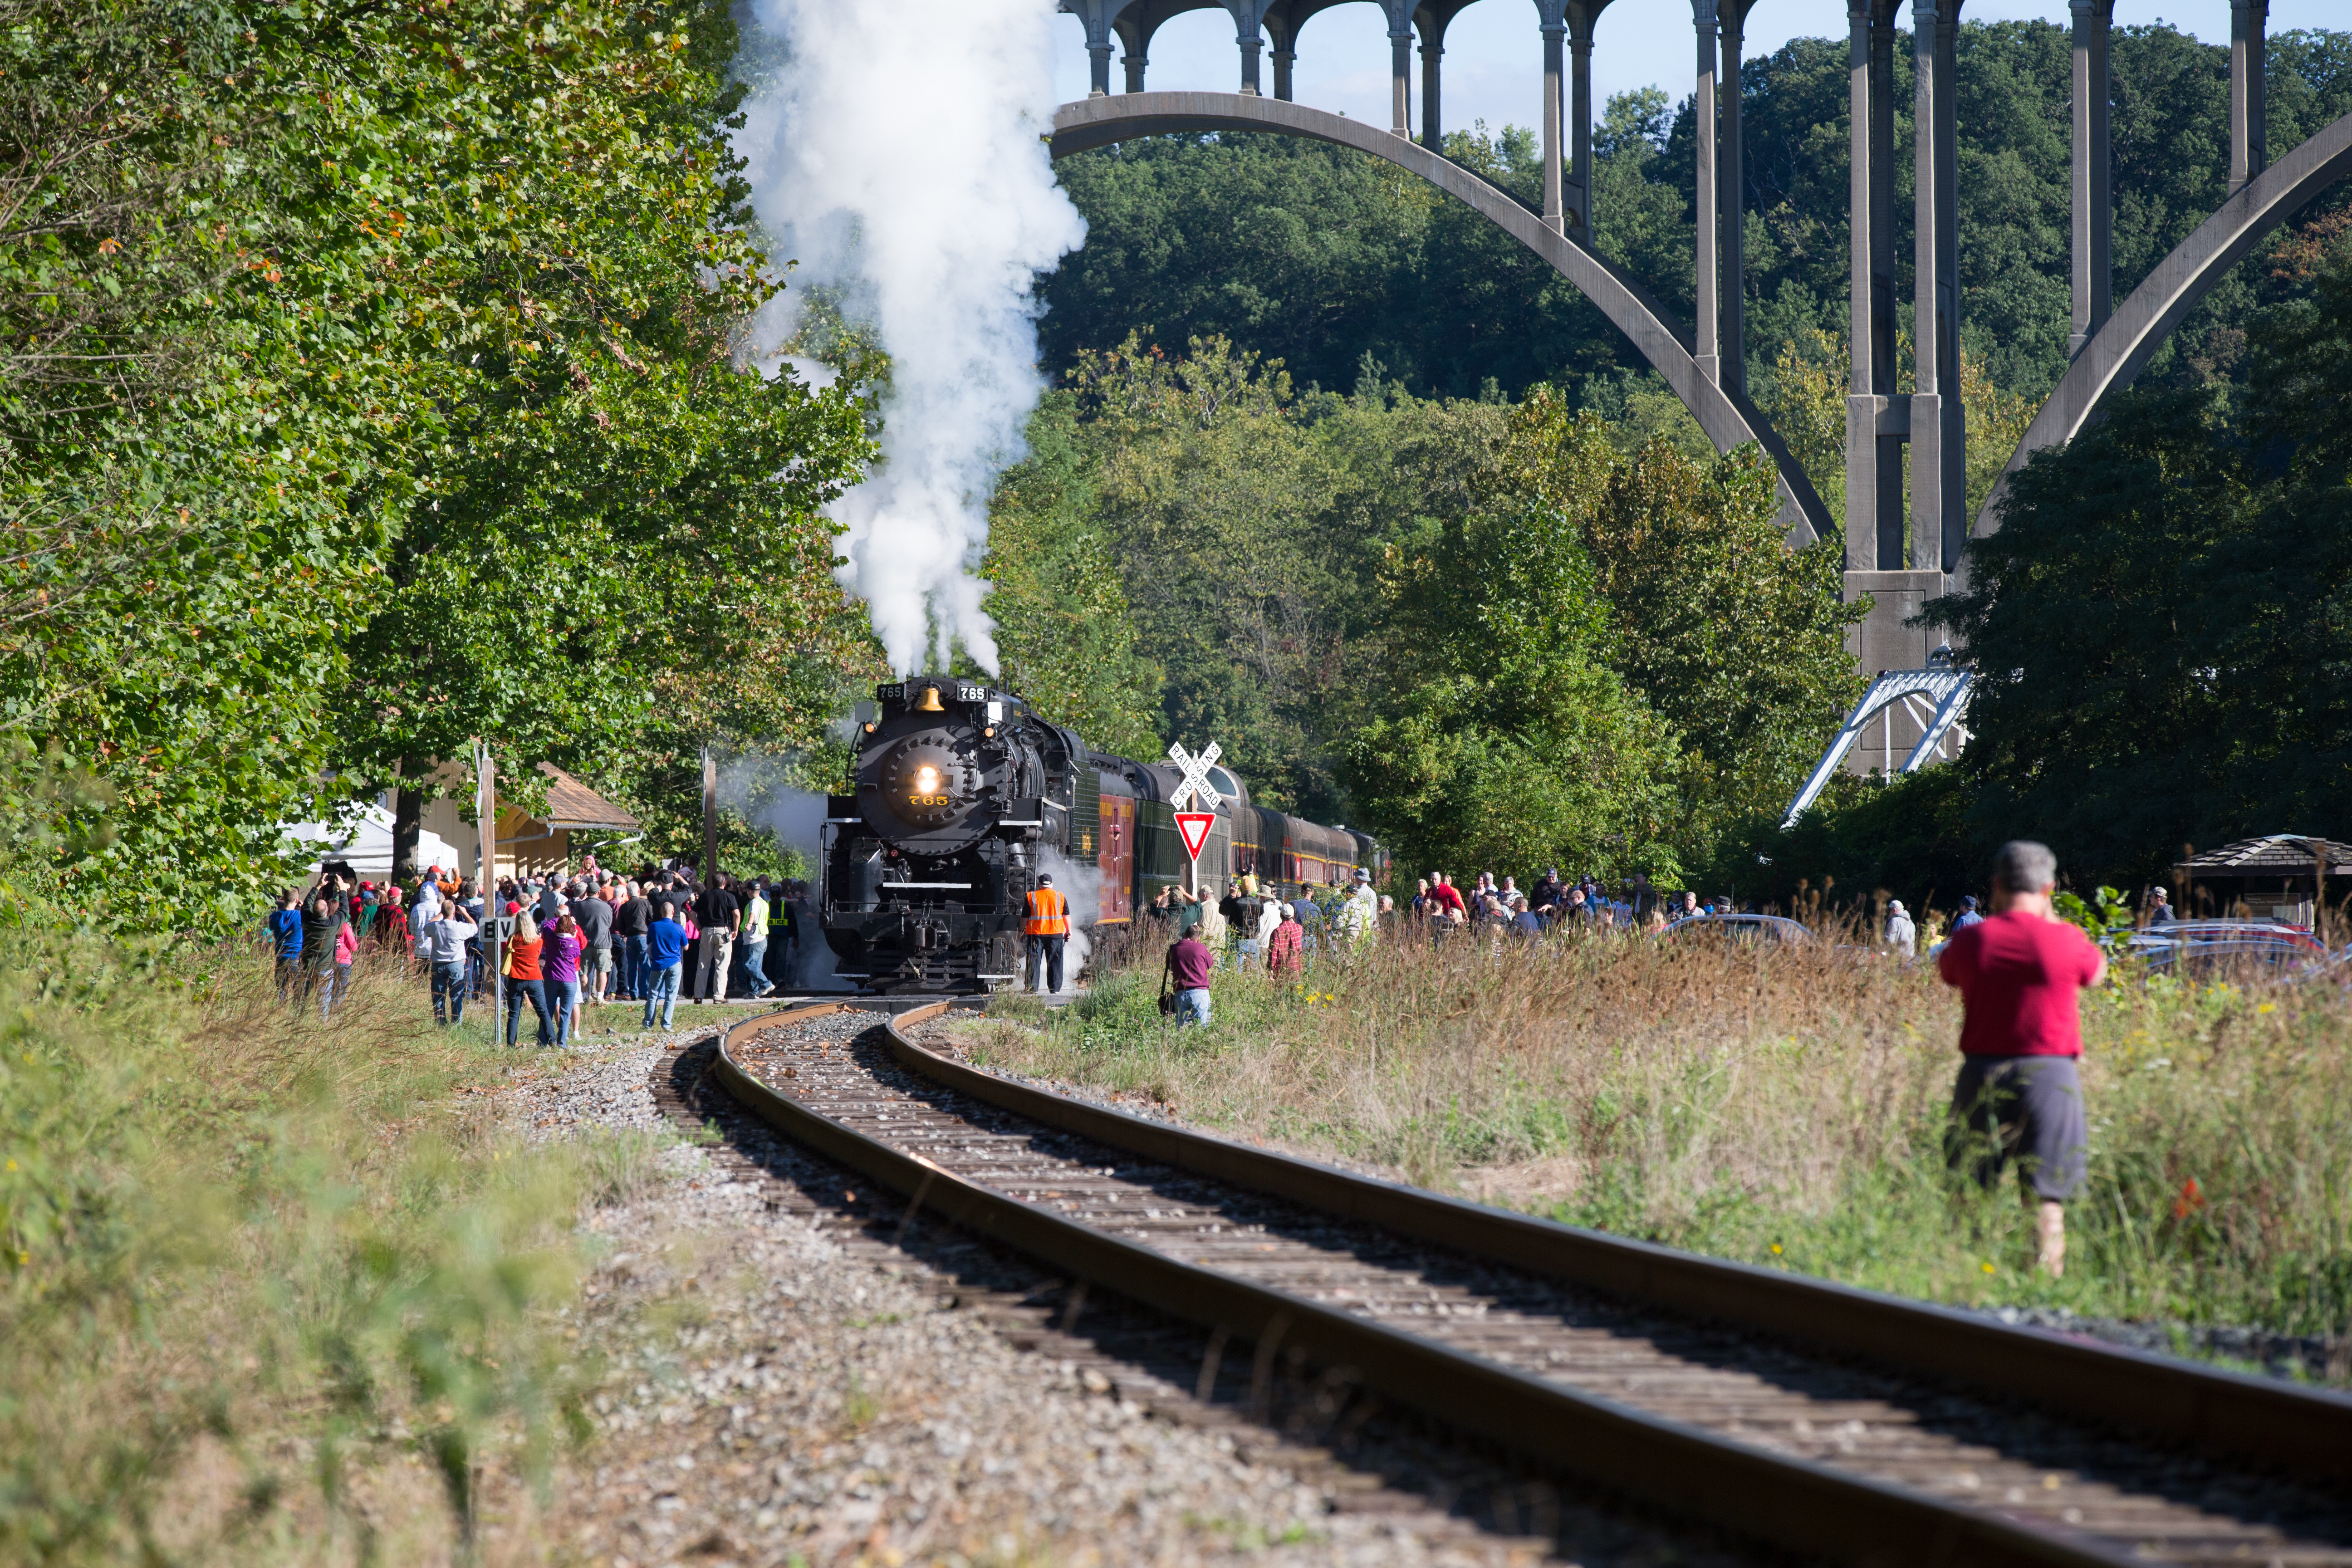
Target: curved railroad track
[(1844, 1425)]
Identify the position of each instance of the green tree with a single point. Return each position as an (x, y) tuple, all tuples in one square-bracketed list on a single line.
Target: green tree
[(1502, 739), (1735, 640), (1249, 527), (327, 321), (1063, 630)]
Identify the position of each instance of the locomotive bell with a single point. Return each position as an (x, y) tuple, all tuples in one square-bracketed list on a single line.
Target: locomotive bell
[(929, 702)]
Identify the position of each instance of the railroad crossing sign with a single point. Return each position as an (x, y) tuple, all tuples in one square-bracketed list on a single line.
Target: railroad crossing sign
[(1195, 784)]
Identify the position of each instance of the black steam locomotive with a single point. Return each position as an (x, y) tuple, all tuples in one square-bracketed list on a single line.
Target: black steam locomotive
[(963, 796)]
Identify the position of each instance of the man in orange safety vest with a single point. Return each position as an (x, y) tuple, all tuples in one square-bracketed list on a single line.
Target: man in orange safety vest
[(1049, 927)]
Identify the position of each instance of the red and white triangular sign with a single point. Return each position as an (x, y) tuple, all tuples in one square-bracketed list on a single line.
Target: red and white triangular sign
[(1194, 826)]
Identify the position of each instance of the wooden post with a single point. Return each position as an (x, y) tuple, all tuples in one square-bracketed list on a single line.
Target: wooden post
[(709, 817), (485, 824)]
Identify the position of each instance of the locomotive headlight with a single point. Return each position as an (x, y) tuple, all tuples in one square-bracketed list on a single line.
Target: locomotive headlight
[(926, 780)]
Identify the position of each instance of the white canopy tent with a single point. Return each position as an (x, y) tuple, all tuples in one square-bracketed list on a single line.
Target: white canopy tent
[(367, 845)]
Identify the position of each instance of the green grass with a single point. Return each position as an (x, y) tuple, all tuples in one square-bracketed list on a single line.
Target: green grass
[(271, 1292), (1787, 1110)]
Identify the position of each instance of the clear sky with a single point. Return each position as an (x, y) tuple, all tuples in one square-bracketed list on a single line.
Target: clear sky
[(1493, 54)]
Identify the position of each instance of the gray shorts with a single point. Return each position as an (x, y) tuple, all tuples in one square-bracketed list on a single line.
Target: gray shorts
[(600, 961), (2027, 1109)]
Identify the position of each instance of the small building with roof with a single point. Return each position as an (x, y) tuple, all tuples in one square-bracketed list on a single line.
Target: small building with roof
[(2280, 877), (528, 845)]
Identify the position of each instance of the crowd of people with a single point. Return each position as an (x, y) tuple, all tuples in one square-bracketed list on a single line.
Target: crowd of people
[(565, 940)]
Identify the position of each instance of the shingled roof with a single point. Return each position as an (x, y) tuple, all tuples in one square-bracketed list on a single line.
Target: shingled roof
[(2272, 854), (571, 804)]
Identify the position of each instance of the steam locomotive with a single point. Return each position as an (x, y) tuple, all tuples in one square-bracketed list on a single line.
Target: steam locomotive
[(961, 796)]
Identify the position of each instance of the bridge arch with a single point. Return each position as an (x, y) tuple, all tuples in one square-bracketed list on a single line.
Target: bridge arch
[(2121, 348), (1726, 414)]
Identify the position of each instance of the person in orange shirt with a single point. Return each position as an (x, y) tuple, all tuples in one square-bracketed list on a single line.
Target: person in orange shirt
[(1049, 927)]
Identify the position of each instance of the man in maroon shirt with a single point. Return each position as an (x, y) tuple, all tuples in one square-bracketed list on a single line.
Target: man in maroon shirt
[(1188, 964), (2019, 972)]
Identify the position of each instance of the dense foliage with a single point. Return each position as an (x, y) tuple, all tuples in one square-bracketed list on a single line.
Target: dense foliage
[(368, 385)]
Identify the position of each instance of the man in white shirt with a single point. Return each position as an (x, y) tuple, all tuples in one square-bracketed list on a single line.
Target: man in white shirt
[(1359, 916), (1901, 934)]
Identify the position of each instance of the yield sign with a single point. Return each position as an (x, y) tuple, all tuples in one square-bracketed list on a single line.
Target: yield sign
[(1194, 826)]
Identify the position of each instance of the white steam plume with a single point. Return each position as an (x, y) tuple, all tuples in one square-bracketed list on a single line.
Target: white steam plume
[(759, 789), (895, 150)]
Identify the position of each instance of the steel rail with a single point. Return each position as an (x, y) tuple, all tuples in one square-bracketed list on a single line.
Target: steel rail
[(1678, 1468), (2269, 1422)]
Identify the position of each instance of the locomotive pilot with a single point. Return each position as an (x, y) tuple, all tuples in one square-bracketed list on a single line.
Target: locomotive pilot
[(1048, 929)]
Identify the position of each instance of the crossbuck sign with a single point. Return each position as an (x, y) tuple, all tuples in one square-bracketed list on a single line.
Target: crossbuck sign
[(1194, 826), (1195, 786)]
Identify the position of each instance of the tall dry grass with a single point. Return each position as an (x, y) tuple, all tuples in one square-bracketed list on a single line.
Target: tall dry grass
[(269, 1293), (1784, 1106)]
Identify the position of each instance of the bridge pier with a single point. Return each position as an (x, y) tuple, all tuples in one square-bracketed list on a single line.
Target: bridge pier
[(1710, 317), (2249, 124), (1401, 74), (2095, 219), (1554, 30), (1582, 17), (1732, 210), (1938, 422)]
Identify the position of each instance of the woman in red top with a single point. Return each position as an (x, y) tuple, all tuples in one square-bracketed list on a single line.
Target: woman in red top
[(523, 978), (2019, 972), (391, 922)]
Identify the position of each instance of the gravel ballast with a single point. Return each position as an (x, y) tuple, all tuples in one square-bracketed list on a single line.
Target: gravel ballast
[(771, 1391)]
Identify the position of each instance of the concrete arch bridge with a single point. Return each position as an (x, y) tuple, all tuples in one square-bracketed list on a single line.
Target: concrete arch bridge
[(1703, 360)]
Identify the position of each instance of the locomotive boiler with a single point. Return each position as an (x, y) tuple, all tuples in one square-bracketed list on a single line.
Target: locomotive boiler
[(960, 796)]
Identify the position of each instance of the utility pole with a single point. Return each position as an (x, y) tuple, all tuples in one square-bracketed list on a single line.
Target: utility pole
[(485, 824), (709, 817)]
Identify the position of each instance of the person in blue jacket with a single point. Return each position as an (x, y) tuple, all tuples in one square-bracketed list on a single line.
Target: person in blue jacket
[(285, 928), (664, 963)]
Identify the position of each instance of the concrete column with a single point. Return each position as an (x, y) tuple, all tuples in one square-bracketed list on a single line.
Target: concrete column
[(1552, 31), (1937, 418), (1875, 421), (1953, 437), (1732, 186), (1136, 42), (1098, 69), (1709, 325), (1246, 19), (1432, 51), (1401, 79), (2248, 126), (1582, 16), (2093, 204), (1284, 59)]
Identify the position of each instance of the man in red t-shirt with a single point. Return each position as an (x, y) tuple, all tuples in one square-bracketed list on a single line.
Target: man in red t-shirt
[(1448, 896), (2019, 972)]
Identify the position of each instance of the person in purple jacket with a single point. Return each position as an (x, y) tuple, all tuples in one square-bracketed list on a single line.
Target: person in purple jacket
[(562, 963)]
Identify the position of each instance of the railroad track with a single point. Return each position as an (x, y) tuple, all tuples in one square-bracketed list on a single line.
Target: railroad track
[(1842, 1424)]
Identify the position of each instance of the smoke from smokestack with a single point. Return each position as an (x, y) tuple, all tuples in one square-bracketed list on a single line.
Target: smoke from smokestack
[(895, 152)]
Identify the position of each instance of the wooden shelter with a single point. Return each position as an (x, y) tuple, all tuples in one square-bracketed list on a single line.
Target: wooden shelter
[(2280, 876), (528, 844)]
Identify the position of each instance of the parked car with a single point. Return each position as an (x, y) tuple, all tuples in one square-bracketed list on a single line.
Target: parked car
[(1772, 930), (2209, 947)]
